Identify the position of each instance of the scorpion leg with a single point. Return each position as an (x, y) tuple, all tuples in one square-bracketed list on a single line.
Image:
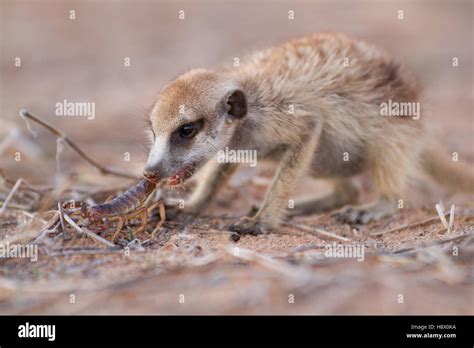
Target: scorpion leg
[(162, 212), (162, 219), (152, 206), (99, 226), (121, 221), (144, 216)]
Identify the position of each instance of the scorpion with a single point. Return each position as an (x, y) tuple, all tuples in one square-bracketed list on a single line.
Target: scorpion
[(130, 204), (125, 206)]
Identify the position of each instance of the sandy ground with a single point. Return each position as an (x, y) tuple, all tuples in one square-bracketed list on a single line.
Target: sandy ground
[(194, 267)]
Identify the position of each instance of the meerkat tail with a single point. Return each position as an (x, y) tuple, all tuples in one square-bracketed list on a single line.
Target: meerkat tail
[(454, 175)]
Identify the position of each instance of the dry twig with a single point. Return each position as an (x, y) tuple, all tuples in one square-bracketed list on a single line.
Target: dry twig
[(268, 262), (103, 170), (317, 232), (10, 195), (409, 225), (87, 232), (469, 236)]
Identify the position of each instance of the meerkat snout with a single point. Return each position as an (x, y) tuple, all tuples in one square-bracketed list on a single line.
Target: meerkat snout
[(191, 121)]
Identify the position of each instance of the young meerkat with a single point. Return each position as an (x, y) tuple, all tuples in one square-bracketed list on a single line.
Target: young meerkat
[(314, 105)]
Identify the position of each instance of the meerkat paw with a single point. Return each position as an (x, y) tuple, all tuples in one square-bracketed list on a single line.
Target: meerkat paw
[(248, 225), (365, 213)]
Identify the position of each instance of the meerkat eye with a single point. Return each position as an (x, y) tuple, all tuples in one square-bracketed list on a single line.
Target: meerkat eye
[(189, 130)]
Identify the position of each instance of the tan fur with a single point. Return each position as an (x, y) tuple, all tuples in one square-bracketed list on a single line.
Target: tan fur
[(454, 175), (336, 113)]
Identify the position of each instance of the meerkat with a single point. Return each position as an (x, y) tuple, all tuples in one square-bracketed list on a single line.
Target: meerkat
[(313, 104)]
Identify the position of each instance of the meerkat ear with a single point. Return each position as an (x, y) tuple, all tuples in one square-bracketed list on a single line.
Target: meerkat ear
[(236, 104)]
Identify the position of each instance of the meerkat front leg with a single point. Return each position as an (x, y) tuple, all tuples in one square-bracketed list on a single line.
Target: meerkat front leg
[(294, 164), (215, 175)]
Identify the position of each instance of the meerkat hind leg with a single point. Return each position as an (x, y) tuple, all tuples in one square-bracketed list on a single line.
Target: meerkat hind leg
[(388, 170), (344, 193)]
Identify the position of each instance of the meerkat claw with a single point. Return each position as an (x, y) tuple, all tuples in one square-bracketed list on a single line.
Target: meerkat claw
[(350, 215), (364, 214), (249, 226)]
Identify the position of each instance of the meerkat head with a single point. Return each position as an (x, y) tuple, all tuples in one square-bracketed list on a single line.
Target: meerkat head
[(194, 118)]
